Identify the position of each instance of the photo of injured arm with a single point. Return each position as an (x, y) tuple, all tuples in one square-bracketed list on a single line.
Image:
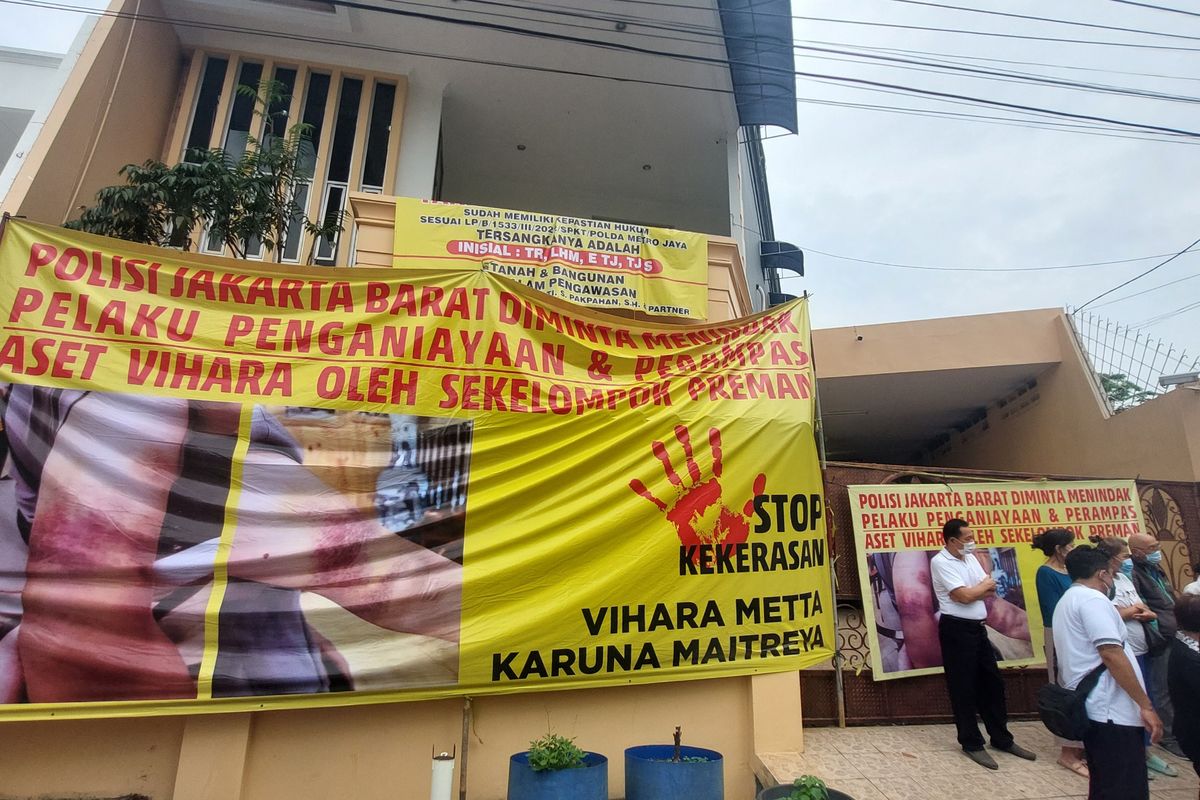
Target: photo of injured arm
[(121, 501), (906, 612)]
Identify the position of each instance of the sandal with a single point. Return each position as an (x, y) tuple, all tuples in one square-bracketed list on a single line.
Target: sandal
[(1078, 767), (1156, 764)]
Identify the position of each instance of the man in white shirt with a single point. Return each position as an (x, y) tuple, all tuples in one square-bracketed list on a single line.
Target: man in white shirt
[(1088, 633), (972, 674), (1194, 586)]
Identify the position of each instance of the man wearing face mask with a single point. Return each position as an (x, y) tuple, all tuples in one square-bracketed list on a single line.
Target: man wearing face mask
[(1089, 634), (1155, 588), (973, 679)]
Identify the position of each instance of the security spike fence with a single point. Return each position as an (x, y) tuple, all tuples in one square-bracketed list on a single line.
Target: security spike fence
[(1128, 361)]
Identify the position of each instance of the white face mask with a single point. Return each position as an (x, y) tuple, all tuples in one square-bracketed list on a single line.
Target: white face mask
[(969, 547)]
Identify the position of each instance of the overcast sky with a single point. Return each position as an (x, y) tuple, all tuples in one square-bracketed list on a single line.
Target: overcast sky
[(40, 28), (937, 192), (947, 193)]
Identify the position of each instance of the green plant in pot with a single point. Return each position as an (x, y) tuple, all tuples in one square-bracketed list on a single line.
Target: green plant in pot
[(553, 752), (555, 768), (809, 788), (806, 787)]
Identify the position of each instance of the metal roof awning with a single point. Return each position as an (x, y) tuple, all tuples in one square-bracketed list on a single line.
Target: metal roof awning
[(758, 39)]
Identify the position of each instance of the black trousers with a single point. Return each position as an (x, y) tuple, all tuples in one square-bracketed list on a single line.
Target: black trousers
[(1116, 759), (974, 682)]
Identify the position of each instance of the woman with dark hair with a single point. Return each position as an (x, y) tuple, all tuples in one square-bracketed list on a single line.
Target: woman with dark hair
[(1183, 677), (1052, 582)]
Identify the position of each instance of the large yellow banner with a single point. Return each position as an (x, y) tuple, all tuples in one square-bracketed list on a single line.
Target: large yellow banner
[(232, 486), (609, 265), (898, 529)]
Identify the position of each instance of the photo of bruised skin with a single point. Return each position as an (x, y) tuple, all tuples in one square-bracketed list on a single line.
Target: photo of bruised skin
[(89, 632), (1003, 617), (918, 608), (294, 531)]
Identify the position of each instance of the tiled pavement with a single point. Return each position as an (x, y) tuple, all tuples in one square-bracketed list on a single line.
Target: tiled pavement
[(924, 762)]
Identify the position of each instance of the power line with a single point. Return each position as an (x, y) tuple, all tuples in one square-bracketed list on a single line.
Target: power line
[(1054, 20), (858, 83), (1016, 122), (661, 4), (1147, 291), (803, 18), (309, 39), (929, 268), (534, 33), (718, 37), (1158, 8), (729, 62), (1007, 75), (1139, 276), (677, 26), (1033, 119), (935, 55), (905, 63), (869, 84), (997, 34), (592, 17), (968, 69), (1168, 315), (974, 71)]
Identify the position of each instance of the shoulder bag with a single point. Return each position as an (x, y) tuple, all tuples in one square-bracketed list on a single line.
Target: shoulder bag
[(1063, 711)]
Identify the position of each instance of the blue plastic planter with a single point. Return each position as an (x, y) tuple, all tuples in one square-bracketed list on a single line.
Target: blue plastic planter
[(651, 775), (589, 782)]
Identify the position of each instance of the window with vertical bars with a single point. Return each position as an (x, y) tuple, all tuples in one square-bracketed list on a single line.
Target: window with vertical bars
[(350, 143)]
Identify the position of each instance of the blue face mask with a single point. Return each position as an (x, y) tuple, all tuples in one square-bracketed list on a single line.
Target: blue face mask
[(1154, 558), (1127, 567)]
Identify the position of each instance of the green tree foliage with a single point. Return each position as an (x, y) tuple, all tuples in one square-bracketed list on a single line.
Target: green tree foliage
[(241, 200), (1122, 392), (161, 205)]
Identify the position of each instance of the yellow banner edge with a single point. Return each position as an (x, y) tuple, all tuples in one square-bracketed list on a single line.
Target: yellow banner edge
[(33, 712)]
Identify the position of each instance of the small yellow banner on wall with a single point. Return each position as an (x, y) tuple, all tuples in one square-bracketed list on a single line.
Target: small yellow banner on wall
[(608, 265), (234, 486)]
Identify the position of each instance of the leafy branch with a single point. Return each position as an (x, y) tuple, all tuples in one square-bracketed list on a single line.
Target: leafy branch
[(1123, 392), (240, 200)]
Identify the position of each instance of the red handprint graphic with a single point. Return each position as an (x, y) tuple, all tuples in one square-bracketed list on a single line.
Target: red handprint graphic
[(699, 512)]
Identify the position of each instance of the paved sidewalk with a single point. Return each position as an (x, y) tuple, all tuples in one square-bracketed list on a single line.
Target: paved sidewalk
[(924, 762)]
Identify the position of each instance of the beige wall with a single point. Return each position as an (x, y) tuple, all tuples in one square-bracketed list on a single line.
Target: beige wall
[(98, 758), (48, 187), (383, 752), (1069, 431), (1061, 427), (937, 345)]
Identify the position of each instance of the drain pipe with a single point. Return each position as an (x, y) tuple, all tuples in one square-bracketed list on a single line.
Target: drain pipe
[(462, 762), (442, 784), (839, 687)]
